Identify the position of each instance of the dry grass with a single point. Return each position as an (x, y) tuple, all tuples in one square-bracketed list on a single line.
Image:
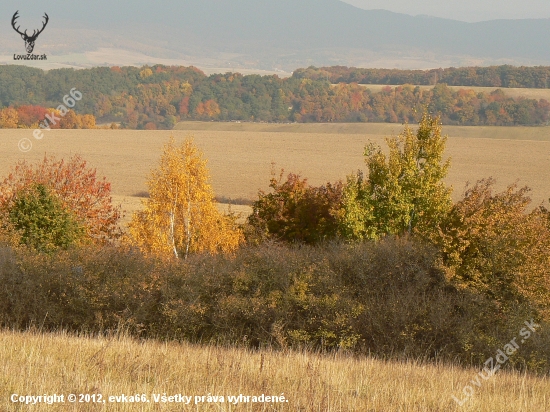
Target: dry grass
[(37, 364), (240, 154), (511, 91)]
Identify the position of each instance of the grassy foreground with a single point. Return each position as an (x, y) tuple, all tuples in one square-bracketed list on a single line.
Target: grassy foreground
[(45, 364)]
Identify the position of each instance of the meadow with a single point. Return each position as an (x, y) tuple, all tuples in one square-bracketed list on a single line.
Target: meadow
[(34, 363), (240, 155)]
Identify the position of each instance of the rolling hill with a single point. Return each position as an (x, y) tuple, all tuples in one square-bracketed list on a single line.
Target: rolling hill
[(282, 34)]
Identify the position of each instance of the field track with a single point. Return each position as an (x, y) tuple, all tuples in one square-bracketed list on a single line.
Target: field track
[(240, 154)]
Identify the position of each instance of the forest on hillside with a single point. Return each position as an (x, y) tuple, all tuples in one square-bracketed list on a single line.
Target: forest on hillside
[(157, 97)]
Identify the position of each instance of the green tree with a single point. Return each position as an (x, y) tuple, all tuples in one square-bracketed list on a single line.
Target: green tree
[(404, 191), (39, 220)]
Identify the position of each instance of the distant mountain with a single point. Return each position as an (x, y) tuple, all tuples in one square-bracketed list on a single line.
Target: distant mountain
[(277, 33)]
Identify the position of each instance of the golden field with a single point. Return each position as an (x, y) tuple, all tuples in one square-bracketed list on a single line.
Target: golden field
[(514, 92), (240, 154), (45, 364)]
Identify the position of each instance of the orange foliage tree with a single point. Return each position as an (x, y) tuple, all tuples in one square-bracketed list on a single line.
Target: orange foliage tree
[(492, 243), (295, 211), (76, 185), (209, 109), (30, 116)]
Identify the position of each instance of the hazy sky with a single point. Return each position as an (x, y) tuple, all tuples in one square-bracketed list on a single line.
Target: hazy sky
[(465, 10)]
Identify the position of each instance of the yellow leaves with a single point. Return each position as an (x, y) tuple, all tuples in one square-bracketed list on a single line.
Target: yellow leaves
[(181, 217), (88, 121), (494, 245), (145, 73), (186, 89), (9, 118)]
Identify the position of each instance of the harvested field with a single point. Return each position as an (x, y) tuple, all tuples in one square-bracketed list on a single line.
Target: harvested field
[(536, 94), (131, 204), (240, 154)]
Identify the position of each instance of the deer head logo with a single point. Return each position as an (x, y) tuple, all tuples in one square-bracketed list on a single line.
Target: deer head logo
[(29, 40)]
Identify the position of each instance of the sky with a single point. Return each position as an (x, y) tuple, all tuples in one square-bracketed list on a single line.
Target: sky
[(464, 10)]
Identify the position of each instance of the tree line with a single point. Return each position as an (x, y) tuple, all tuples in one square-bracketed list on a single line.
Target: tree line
[(158, 97), (31, 116)]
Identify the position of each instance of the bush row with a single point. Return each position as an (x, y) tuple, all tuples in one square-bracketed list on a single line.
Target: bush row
[(390, 299)]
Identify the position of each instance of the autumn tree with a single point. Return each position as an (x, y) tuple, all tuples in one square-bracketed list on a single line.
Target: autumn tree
[(75, 185), (180, 217), (88, 121), (9, 118), (208, 109), (492, 243), (403, 191), (71, 120), (30, 116), (294, 211)]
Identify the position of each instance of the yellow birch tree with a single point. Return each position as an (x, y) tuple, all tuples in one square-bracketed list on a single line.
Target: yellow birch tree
[(180, 217), (9, 118)]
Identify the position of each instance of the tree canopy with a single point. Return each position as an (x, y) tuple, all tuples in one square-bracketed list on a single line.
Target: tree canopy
[(403, 191), (180, 217), (75, 185), (157, 97)]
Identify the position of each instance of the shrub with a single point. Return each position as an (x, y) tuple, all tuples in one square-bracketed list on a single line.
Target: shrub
[(493, 245), (91, 289), (389, 299), (297, 212), (76, 186)]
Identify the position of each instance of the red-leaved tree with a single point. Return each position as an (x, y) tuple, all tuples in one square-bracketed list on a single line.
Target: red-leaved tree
[(30, 116), (294, 211), (76, 185)]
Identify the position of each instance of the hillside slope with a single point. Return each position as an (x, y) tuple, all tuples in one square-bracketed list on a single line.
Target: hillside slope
[(283, 33), (116, 366)]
